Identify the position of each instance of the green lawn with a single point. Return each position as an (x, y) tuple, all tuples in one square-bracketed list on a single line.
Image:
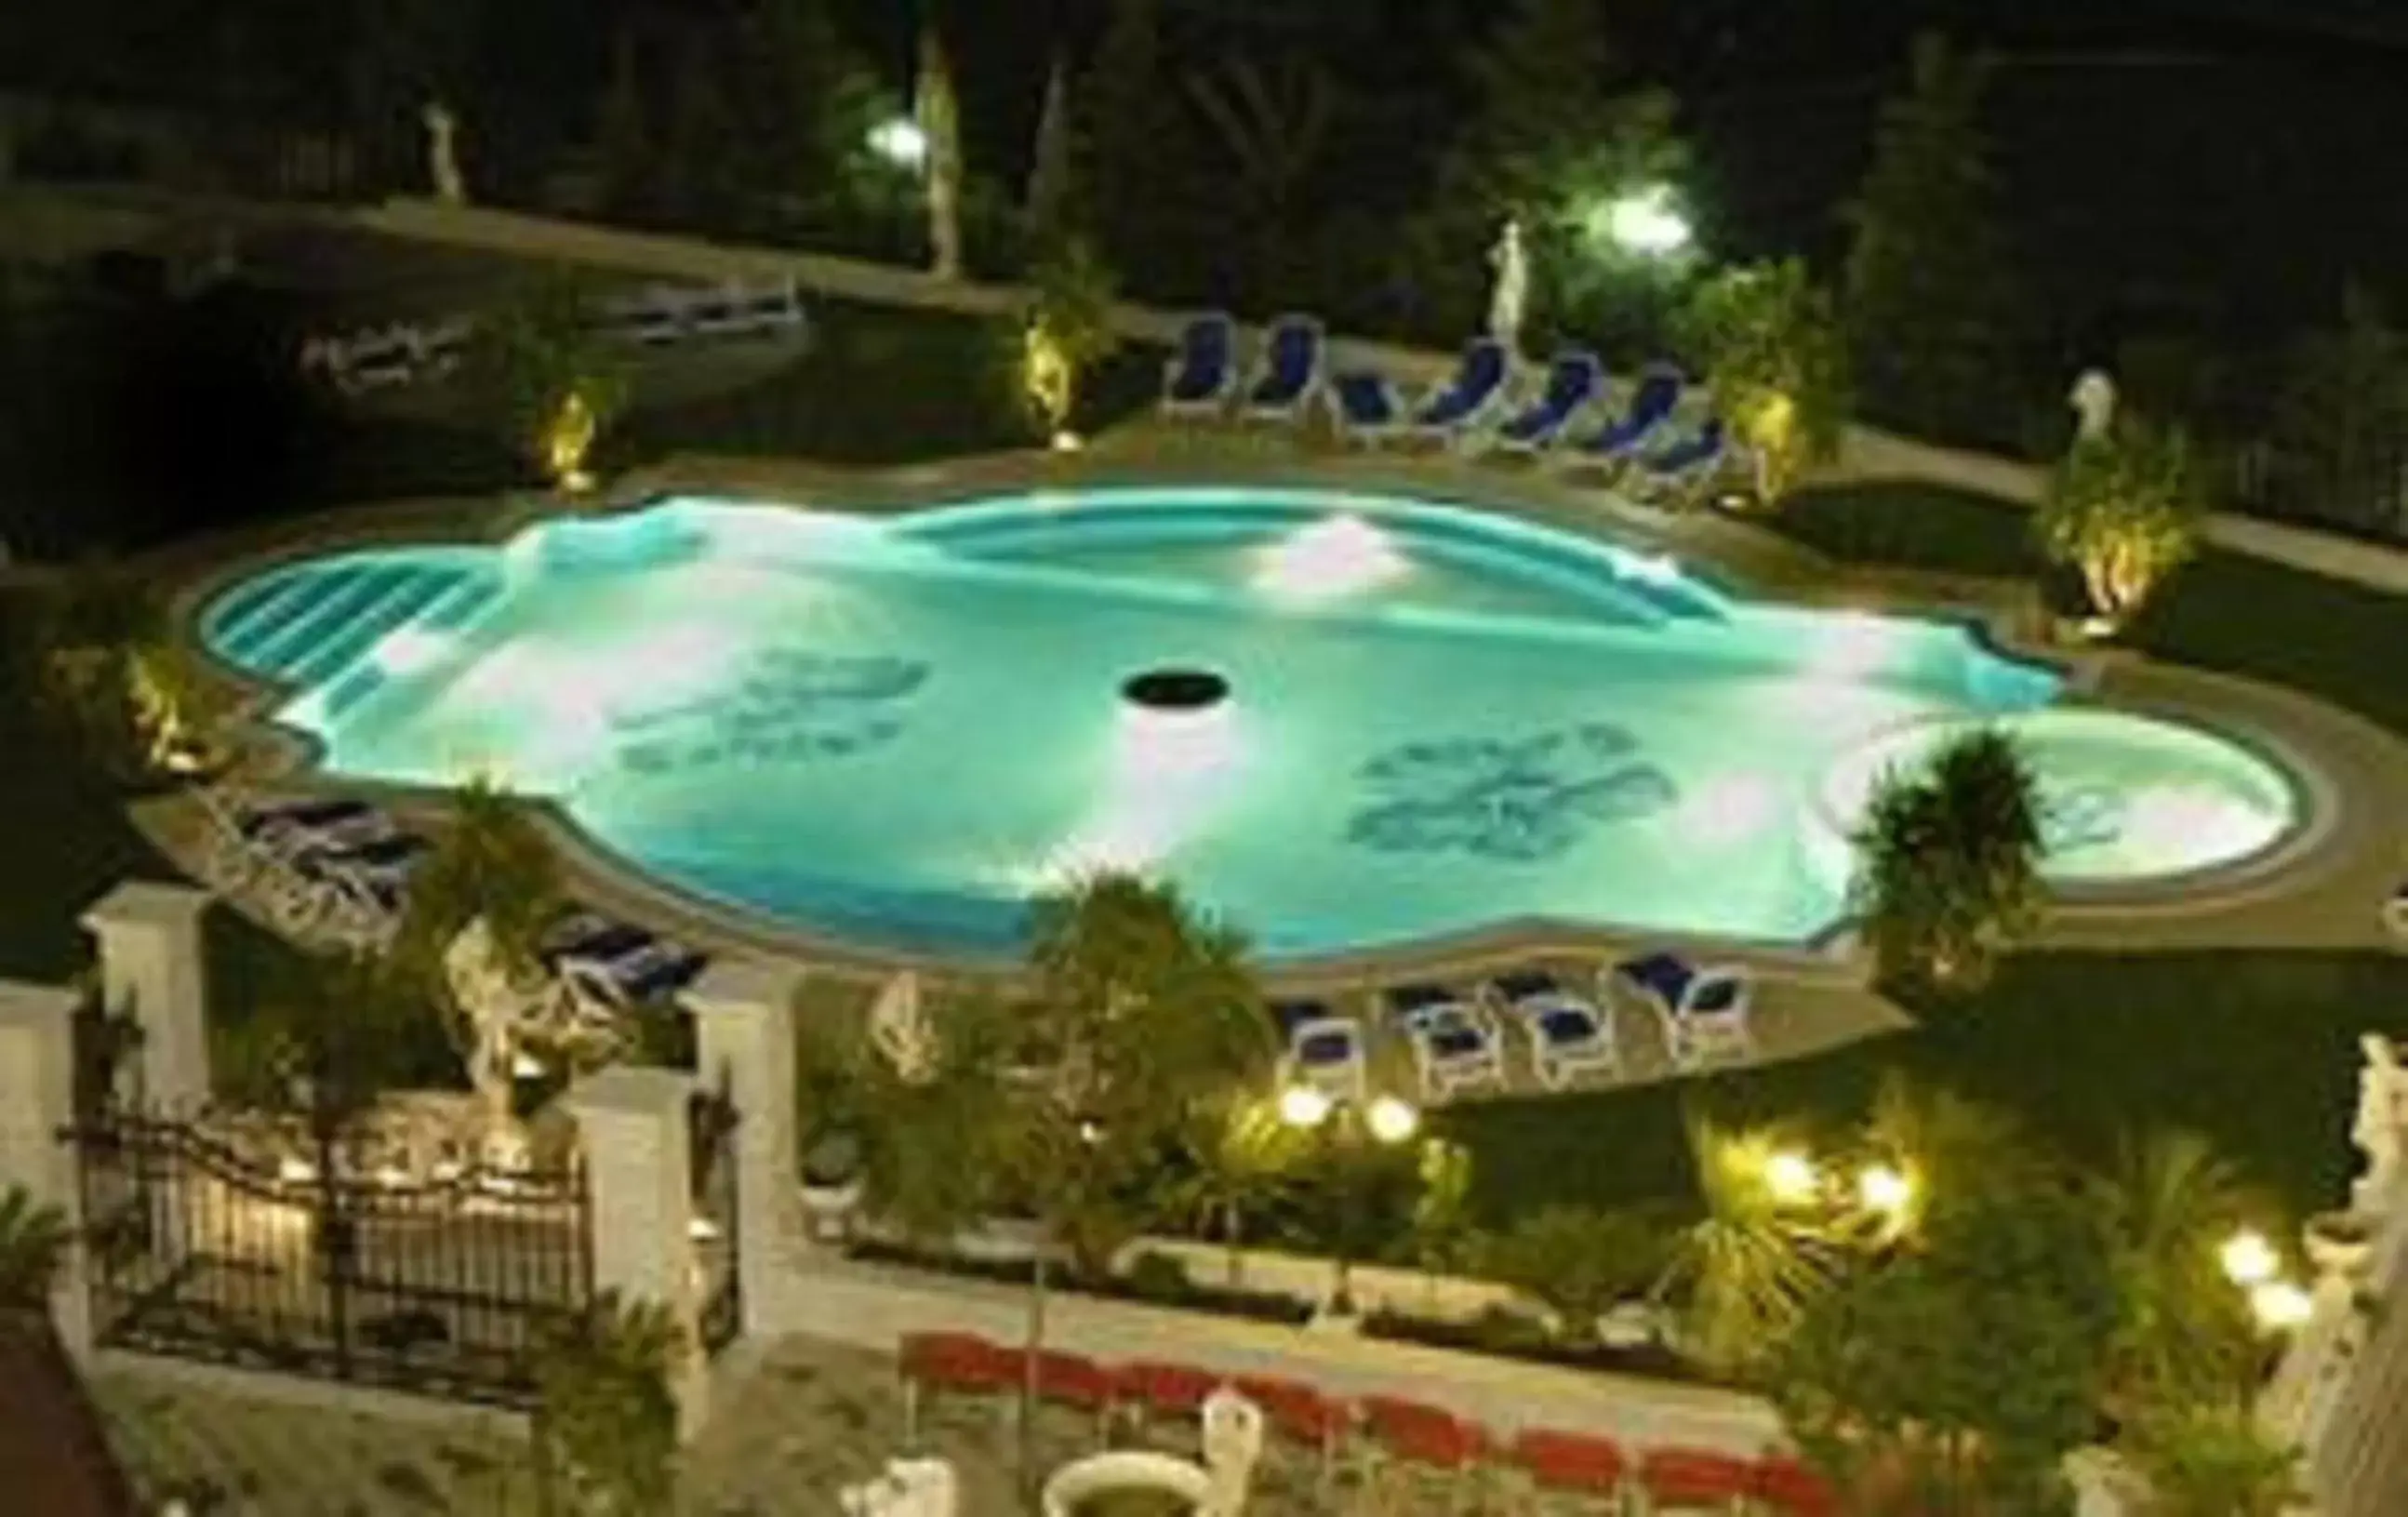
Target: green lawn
[(2257, 1050), (2221, 611)]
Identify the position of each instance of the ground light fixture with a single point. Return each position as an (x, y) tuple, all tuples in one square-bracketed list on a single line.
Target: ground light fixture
[(1791, 1177), (1390, 1120), (1885, 1191), (1302, 1106), (2279, 1305), (2248, 1260)]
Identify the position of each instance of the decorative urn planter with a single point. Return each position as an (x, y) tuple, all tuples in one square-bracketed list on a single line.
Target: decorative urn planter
[(2339, 1243), (831, 1185), (1126, 1482)]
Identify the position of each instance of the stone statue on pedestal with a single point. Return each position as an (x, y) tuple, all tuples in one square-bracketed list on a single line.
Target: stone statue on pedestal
[(1233, 1441), (2380, 1126), (2093, 399), (1508, 298), (443, 154)]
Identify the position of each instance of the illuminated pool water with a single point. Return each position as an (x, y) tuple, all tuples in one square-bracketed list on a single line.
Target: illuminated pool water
[(1384, 720)]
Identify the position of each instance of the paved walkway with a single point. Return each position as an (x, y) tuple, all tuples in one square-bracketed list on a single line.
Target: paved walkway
[(794, 1423)]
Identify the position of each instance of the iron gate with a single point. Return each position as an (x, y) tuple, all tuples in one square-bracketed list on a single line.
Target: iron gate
[(443, 1286)]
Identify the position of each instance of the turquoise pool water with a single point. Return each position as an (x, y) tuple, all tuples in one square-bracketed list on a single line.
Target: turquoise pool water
[(894, 731)]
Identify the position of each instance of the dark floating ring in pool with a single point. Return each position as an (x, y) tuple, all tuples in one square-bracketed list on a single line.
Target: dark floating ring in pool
[(1175, 689)]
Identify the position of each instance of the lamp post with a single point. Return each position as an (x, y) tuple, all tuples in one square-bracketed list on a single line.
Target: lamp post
[(1352, 1130)]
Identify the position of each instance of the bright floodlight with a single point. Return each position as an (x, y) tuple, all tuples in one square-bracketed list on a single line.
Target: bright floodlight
[(1391, 1121), (900, 141), (1791, 1177), (2248, 1259), (1885, 1190), (1646, 222), (2278, 1304), (1301, 1106), (1337, 555)]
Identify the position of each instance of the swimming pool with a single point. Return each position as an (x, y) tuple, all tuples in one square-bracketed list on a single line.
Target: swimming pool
[(1374, 720)]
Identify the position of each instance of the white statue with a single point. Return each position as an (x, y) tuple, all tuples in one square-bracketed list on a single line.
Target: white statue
[(1233, 1441), (2381, 1124), (908, 1488), (899, 1029), (442, 153), (496, 1008), (1510, 295), (2093, 399)]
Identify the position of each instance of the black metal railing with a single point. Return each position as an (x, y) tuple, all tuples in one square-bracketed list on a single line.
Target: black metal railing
[(297, 1263)]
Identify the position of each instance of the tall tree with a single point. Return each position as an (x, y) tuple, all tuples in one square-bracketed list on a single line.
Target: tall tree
[(2341, 422), (1927, 290), (1126, 119), (1551, 143), (1051, 160), (1269, 125), (941, 126), (1774, 355)]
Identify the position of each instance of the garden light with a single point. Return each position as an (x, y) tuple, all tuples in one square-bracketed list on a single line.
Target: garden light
[(1885, 1190), (901, 141), (1301, 1106), (2248, 1259), (1791, 1177), (1645, 222), (2278, 1305), (1392, 1120)]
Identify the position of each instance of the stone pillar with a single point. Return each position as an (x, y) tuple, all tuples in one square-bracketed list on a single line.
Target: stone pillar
[(152, 965), (744, 1026), (637, 1137), (37, 1101)]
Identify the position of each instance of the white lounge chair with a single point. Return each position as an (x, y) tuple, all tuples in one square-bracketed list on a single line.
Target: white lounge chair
[(250, 834), (1455, 1041), (1324, 1052), (605, 969), (1569, 1034), (1704, 1011)]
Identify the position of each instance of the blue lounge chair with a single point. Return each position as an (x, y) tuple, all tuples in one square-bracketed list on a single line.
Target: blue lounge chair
[(1702, 1011), (1366, 407), (1454, 1038), (609, 967), (1569, 1034), (1199, 379), (1468, 399), (1658, 393), (1574, 379), (1324, 1052), (1675, 475), (1291, 371)]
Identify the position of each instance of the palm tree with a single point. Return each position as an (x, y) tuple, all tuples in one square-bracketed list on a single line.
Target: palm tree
[(1950, 1149), (1140, 1010), (2213, 1461), (491, 864), (1948, 862), (929, 1141), (606, 1426), (1578, 1261), (1743, 1273), (1242, 1160), (114, 677), (2184, 1337), (1273, 124), (34, 1239)]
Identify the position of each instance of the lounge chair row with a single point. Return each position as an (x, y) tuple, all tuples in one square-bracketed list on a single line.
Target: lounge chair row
[(1395, 1429), (336, 871), (1457, 1037), (1472, 412)]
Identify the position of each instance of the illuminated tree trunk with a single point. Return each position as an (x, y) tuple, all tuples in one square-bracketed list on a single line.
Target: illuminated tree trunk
[(1049, 178), (940, 123)]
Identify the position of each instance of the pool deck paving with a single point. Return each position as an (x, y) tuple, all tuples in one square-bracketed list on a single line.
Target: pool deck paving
[(796, 1421)]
